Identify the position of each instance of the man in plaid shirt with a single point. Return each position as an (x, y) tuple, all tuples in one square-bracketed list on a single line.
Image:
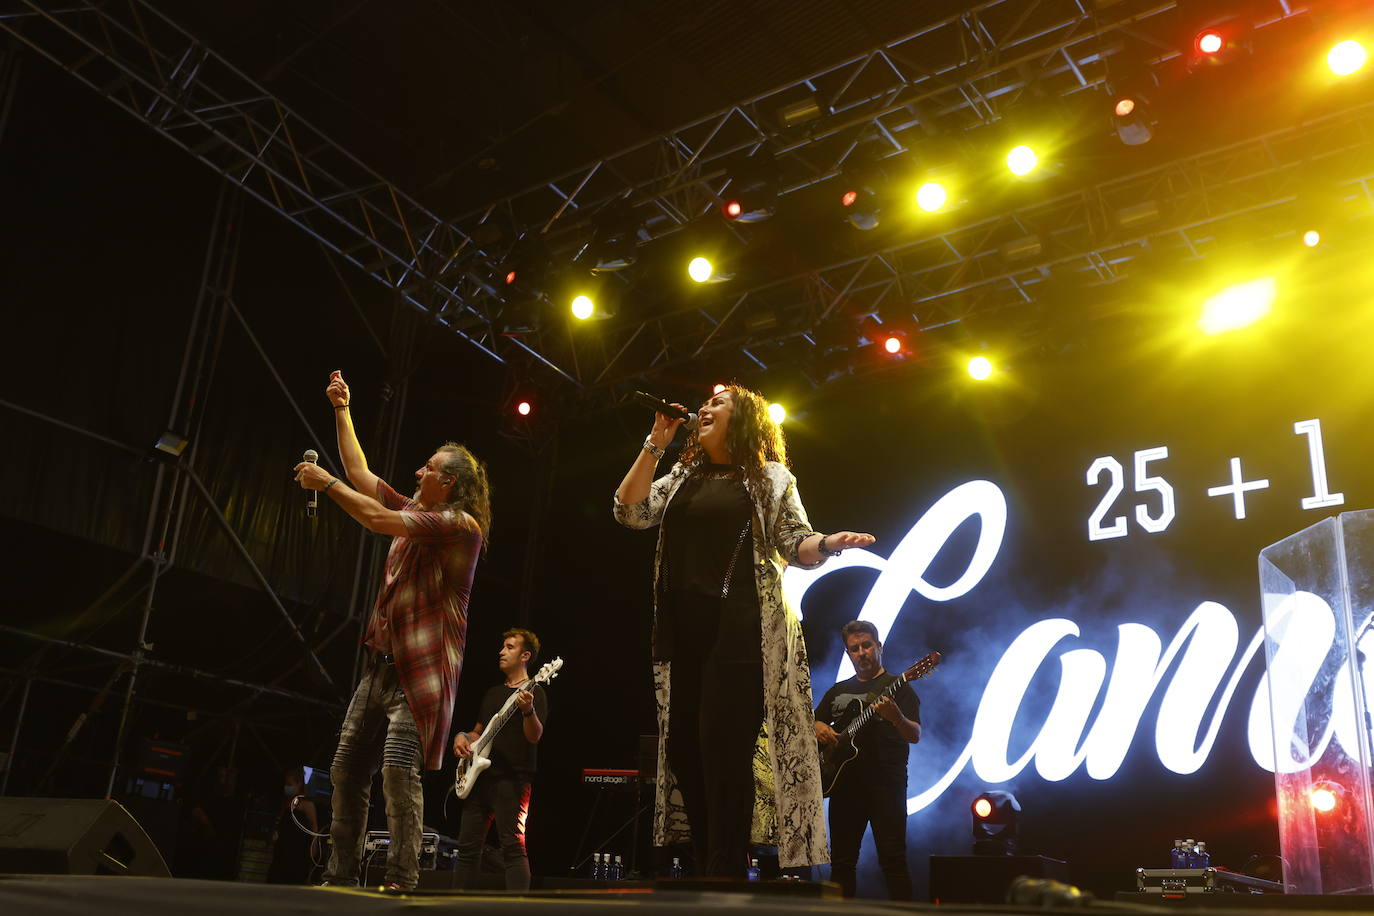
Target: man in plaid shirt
[(403, 706)]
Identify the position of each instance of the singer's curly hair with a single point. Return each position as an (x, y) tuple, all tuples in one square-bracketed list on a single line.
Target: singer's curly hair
[(752, 439), (471, 490)]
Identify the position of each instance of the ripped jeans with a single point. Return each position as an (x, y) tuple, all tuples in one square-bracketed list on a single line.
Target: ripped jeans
[(378, 727)]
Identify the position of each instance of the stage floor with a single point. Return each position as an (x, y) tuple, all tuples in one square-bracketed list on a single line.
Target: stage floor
[(62, 895)]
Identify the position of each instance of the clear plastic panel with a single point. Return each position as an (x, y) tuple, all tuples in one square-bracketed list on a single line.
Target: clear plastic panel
[(1317, 588)]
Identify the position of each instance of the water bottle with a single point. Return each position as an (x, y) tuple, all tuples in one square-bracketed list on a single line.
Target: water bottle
[(676, 870), (1204, 858), (1189, 854), (598, 868), (753, 873), (617, 870), (1177, 856)]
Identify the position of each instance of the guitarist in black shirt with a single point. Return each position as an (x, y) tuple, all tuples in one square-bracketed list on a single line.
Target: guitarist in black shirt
[(502, 791), (871, 788)]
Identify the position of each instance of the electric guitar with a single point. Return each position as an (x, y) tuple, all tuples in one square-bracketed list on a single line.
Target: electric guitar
[(469, 768), (833, 759)]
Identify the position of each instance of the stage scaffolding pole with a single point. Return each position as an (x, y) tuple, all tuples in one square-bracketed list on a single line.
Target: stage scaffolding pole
[(220, 259)]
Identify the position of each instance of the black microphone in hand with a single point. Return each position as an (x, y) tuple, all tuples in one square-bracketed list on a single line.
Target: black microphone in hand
[(668, 410), (313, 501)]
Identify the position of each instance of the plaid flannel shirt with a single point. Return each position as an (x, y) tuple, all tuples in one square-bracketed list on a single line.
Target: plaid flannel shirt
[(421, 614)]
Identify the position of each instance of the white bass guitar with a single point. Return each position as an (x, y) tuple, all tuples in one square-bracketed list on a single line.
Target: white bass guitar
[(469, 768)]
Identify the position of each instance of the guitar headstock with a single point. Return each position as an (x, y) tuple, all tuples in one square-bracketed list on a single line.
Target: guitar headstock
[(924, 668), (548, 672)]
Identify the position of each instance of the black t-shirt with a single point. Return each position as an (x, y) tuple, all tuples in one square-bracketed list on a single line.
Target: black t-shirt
[(702, 532), (511, 754), (706, 528), (878, 742)]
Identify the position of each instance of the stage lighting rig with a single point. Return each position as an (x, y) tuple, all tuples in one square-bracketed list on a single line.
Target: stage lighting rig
[(524, 270), (1238, 306), (525, 413), (892, 339), (751, 193), (995, 817), (1346, 57), (932, 196), (1022, 160), (1219, 42), (1131, 118), (863, 186), (703, 269), (617, 232)]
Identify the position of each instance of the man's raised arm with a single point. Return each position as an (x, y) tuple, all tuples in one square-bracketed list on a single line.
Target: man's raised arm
[(350, 451)]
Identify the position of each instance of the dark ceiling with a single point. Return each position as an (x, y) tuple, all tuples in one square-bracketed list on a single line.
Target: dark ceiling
[(460, 101)]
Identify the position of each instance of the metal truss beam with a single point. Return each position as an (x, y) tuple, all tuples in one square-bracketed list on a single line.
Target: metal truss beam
[(953, 74), (1090, 235), (156, 71)]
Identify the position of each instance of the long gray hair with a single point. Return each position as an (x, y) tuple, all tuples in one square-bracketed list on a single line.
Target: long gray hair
[(471, 490)]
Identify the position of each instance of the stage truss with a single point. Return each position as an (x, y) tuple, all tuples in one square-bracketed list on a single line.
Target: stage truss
[(956, 74)]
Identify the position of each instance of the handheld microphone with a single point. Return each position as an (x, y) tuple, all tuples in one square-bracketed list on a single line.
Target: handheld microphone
[(668, 410), (312, 502)]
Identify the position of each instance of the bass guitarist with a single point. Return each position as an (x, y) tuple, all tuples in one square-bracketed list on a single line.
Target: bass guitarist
[(502, 791), (871, 788)]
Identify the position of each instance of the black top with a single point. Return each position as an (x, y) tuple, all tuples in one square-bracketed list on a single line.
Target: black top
[(702, 532), (878, 742), (511, 755), (709, 523)]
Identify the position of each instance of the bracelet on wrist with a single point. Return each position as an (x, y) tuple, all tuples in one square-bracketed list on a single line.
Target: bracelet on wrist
[(527, 714), (340, 406), (653, 449), (826, 551), (330, 484)]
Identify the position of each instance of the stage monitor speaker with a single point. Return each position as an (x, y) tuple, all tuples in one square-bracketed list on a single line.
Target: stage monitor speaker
[(74, 836)]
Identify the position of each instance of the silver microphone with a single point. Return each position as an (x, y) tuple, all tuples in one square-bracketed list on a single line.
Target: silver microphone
[(313, 501)]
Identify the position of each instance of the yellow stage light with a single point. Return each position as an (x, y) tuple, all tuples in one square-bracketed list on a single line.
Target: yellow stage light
[(583, 308), (1022, 160), (980, 367), (1346, 57), (1311, 238), (931, 196), (1238, 306), (777, 412), (699, 270), (718, 388)]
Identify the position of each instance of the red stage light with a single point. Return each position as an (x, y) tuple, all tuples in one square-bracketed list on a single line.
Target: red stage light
[(1124, 107), (982, 807), (510, 277), (524, 408), (847, 200), (1209, 41), (732, 209), (892, 344)]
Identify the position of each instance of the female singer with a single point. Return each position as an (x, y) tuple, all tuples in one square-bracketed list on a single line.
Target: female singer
[(730, 670)]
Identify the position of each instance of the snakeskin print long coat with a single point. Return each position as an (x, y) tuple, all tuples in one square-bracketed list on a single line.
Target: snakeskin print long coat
[(787, 782)]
